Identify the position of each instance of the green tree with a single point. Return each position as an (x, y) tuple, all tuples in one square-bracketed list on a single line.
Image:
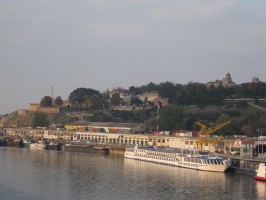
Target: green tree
[(152, 87), (135, 90), (58, 101), (80, 95), (135, 101), (167, 90), (94, 101), (171, 118), (115, 99), (145, 101), (40, 120), (46, 101)]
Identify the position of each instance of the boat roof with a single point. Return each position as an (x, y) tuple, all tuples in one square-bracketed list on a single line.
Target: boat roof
[(169, 150), (202, 154)]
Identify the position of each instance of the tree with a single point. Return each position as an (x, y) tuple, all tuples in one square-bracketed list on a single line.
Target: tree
[(46, 101), (115, 99), (152, 87), (80, 95), (58, 101), (135, 90), (135, 101), (167, 90), (94, 101), (145, 101), (172, 118), (40, 120)]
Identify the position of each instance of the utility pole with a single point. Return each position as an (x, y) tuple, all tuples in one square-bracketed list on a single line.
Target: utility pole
[(159, 103), (158, 117), (52, 88)]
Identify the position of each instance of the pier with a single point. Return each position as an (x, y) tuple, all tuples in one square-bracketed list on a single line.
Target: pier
[(244, 165)]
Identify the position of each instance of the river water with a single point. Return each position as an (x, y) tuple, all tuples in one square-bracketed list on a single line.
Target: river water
[(50, 175)]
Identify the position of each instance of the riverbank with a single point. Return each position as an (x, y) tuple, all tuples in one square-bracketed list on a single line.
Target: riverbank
[(60, 145), (239, 165)]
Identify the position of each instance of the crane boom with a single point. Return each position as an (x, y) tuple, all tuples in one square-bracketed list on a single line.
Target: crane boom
[(205, 131)]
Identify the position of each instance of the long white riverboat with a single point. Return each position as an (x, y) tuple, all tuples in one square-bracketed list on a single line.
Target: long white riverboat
[(179, 158)]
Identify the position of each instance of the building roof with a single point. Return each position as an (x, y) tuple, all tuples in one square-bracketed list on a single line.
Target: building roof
[(105, 124)]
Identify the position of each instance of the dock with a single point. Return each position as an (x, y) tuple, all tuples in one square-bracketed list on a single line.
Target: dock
[(244, 165)]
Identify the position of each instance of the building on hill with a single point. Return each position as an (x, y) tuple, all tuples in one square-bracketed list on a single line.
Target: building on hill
[(66, 103), (150, 96), (153, 97), (255, 80), (124, 94), (226, 82), (34, 107)]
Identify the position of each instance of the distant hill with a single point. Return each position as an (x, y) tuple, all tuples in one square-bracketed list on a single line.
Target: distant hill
[(245, 118)]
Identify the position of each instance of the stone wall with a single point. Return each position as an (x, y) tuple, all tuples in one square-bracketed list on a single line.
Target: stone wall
[(38, 108)]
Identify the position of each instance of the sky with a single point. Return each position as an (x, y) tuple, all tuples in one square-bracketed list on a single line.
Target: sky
[(103, 44)]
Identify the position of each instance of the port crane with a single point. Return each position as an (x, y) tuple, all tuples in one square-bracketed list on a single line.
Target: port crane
[(205, 131)]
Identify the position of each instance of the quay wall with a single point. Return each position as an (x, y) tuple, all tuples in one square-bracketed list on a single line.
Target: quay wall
[(245, 165), (117, 150)]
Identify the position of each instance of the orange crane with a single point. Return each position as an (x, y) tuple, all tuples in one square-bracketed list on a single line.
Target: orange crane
[(205, 131)]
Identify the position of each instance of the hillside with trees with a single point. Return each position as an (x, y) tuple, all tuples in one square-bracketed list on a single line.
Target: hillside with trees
[(186, 105)]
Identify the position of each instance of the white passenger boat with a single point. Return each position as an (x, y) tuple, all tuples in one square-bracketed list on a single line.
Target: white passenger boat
[(37, 146), (178, 158), (261, 172)]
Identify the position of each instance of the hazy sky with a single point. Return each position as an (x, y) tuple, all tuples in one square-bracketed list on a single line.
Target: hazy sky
[(102, 44)]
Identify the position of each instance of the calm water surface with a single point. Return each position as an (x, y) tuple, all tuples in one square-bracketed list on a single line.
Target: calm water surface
[(49, 175)]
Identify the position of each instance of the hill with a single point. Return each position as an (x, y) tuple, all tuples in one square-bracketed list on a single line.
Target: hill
[(246, 118)]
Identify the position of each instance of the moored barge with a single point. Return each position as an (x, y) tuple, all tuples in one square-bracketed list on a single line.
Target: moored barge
[(86, 149)]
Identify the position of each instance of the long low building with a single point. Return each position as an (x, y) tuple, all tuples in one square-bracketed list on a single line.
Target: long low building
[(112, 138), (140, 139), (108, 127)]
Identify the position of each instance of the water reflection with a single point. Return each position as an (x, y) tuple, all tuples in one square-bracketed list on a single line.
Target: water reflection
[(168, 181), (260, 187), (52, 175)]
